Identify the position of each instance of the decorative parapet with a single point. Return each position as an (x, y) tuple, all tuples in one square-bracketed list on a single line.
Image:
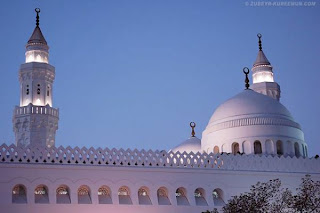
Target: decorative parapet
[(31, 109), (155, 159)]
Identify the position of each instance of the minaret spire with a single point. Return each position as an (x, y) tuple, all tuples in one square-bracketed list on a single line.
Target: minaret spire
[(260, 43), (262, 75), (193, 125), (246, 72), (37, 11)]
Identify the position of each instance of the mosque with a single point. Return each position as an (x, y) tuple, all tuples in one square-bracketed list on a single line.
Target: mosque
[(250, 137)]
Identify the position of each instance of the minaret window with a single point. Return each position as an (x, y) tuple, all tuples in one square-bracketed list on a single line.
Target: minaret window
[(38, 90), (48, 91), (27, 90)]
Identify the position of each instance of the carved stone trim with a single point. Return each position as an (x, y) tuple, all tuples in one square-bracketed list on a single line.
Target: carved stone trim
[(254, 121)]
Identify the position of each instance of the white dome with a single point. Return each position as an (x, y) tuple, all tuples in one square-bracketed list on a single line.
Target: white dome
[(193, 144), (249, 103), (250, 117)]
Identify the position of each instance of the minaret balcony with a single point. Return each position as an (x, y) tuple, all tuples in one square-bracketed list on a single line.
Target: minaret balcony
[(31, 109)]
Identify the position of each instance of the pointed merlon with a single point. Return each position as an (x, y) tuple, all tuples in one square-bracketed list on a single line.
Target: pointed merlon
[(37, 11), (193, 125), (246, 72)]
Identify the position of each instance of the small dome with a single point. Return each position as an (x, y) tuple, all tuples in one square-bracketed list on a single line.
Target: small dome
[(193, 144), (249, 103)]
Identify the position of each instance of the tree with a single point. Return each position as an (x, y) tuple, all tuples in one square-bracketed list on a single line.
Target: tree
[(272, 198), (263, 197), (308, 196)]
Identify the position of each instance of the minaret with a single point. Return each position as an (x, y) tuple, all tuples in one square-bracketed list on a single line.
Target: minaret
[(262, 75), (35, 121)]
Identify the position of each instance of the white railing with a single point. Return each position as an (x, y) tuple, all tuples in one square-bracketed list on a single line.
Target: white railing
[(31, 109), (163, 159)]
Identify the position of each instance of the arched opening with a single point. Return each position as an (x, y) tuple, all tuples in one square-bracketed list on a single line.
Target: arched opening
[(235, 148), (257, 147), (218, 197), (163, 198), (269, 147), (143, 196), (199, 195), (306, 150), (290, 148), (181, 196), (303, 151), (279, 148), (297, 150), (124, 195), (104, 195), (84, 195), (216, 150), (224, 148), (41, 194), (246, 147), (63, 195), (19, 194)]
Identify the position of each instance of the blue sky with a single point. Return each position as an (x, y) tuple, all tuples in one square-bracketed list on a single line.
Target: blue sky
[(134, 73)]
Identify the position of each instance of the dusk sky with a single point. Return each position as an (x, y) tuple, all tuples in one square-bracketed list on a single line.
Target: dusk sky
[(135, 73)]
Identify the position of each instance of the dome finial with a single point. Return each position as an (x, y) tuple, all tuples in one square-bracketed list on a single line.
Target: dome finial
[(246, 72), (37, 11), (193, 125), (260, 43)]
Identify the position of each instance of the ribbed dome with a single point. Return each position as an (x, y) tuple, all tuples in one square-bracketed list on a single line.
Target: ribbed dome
[(249, 103), (193, 144)]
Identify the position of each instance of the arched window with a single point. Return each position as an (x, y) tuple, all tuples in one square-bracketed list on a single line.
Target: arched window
[(104, 195), (303, 151), (19, 194), (63, 195), (216, 150), (41, 194), (199, 195), (279, 148), (84, 195), (124, 195), (224, 148), (269, 147), (218, 195), (297, 149), (290, 148), (38, 90), (143, 196), (306, 150), (48, 91), (163, 198), (181, 196), (235, 148), (257, 147)]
